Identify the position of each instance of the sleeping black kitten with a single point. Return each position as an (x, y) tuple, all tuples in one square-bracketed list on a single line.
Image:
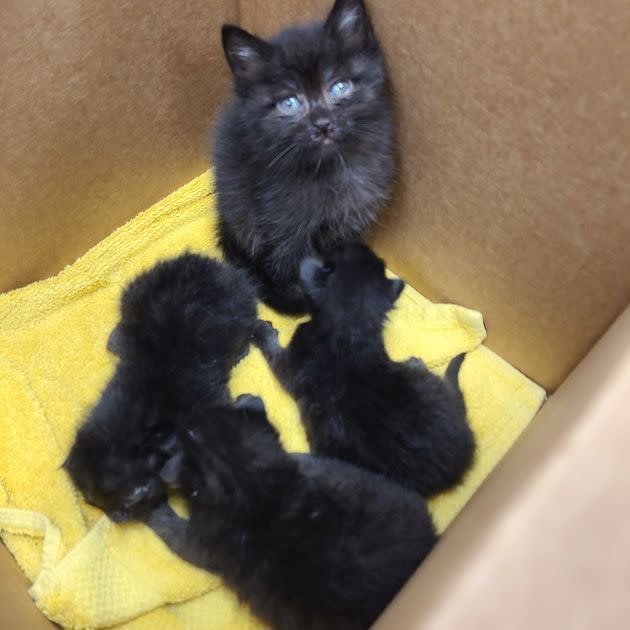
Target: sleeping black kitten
[(310, 543), (304, 152), (397, 419), (183, 325)]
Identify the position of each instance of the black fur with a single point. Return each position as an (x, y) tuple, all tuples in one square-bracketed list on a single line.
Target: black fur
[(183, 324), (397, 419), (291, 185), (310, 543)]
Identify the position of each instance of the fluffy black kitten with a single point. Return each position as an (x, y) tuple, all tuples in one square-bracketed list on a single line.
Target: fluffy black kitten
[(310, 543), (183, 324), (304, 152), (397, 419)]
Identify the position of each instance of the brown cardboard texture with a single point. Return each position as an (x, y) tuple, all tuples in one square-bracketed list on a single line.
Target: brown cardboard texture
[(512, 197), (105, 110), (17, 611)]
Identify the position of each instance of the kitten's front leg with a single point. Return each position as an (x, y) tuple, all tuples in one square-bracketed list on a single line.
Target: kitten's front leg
[(173, 530), (266, 338)]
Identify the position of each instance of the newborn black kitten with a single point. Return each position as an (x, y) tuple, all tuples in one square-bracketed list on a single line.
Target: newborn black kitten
[(397, 419), (310, 543), (304, 152), (183, 325)]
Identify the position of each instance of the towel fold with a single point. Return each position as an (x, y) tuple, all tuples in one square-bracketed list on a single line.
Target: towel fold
[(88, 572)]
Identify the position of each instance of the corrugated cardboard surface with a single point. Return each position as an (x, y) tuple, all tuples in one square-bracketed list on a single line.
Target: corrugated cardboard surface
[(17, 611), (105, 110)]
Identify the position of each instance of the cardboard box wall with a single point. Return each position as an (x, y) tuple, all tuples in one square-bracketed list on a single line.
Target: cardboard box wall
[(512, 197)]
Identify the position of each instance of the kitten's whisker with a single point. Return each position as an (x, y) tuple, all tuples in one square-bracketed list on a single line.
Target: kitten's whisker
[(282, 154), (342, 160), (319, 163), (367, 132), (288, 162)]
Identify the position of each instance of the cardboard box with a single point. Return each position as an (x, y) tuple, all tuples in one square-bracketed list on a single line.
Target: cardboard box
[(513, 197)]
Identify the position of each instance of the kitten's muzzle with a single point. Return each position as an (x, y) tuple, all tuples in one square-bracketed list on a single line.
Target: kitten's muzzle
[(323, 130)]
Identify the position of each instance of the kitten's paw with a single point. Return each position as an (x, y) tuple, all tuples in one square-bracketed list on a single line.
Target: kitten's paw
[(264, 333), (250, 402)]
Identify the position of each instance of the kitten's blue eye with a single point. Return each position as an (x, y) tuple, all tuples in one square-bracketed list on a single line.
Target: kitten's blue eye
[(290, 105), (340, 89)]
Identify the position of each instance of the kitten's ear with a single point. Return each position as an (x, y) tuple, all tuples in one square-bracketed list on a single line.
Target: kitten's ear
[(246, 54), (349, 24), (115, 343), (396, 287), (248, 402), (313, 275)]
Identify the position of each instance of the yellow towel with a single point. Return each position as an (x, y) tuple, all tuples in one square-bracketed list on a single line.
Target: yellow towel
[(88, 572)]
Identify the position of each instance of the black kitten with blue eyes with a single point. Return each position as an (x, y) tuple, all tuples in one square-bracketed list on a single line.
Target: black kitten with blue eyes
[(304, 154)]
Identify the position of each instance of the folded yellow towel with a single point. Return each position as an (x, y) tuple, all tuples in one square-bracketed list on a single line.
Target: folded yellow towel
[(88, 572)]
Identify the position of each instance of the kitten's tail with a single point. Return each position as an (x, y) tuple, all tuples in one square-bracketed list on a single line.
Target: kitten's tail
[(452, 371), (452, 377)]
